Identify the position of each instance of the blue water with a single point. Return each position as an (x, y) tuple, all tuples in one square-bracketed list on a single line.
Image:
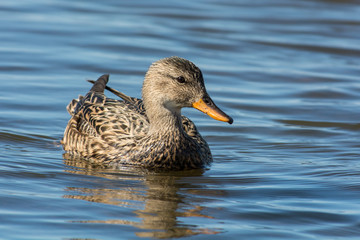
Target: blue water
[(286, 71)]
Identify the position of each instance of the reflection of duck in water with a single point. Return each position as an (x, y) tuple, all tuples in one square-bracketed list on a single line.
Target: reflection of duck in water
[(151, 132), (159, 205)]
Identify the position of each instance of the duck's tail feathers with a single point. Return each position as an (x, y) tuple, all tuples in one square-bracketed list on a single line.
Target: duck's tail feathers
[(116, 92), (72, 105), (100, 84)]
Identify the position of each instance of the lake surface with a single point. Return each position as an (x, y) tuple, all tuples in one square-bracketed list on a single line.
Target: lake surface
[(287, 71)]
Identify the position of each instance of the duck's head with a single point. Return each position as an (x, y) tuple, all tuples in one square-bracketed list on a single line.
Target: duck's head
[(175, 83)]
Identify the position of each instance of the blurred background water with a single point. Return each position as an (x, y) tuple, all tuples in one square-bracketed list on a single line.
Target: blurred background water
[(286, 71)]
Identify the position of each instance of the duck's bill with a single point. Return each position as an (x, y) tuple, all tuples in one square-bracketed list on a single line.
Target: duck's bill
[(206, 105)]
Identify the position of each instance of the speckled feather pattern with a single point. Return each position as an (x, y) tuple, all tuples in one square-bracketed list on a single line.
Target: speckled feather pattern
[(115, 132)]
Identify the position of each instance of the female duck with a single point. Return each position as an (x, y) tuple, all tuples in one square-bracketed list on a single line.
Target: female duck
[(149, 133)]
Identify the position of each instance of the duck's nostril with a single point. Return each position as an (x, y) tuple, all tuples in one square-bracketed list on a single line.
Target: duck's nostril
[(207, 100)]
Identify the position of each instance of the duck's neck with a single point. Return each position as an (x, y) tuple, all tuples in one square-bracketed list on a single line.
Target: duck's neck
[(164, 120)]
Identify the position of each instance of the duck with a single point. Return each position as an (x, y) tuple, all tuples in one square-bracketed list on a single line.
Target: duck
[(150, 132)]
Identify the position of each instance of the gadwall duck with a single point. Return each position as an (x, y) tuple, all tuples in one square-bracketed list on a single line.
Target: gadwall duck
[(149, 133)]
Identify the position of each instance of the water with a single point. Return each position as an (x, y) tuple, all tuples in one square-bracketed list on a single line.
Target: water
[(286, 71)]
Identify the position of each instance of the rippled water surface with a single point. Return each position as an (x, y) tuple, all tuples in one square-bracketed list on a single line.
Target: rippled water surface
[(286, 71)]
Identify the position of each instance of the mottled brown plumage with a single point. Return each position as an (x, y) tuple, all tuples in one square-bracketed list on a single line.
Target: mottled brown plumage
[(149, 133)]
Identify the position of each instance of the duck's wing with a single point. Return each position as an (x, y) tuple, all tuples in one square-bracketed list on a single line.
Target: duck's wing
[(95, 115)]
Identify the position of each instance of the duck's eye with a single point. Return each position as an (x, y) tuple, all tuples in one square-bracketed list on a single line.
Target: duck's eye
[(180, 79)]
